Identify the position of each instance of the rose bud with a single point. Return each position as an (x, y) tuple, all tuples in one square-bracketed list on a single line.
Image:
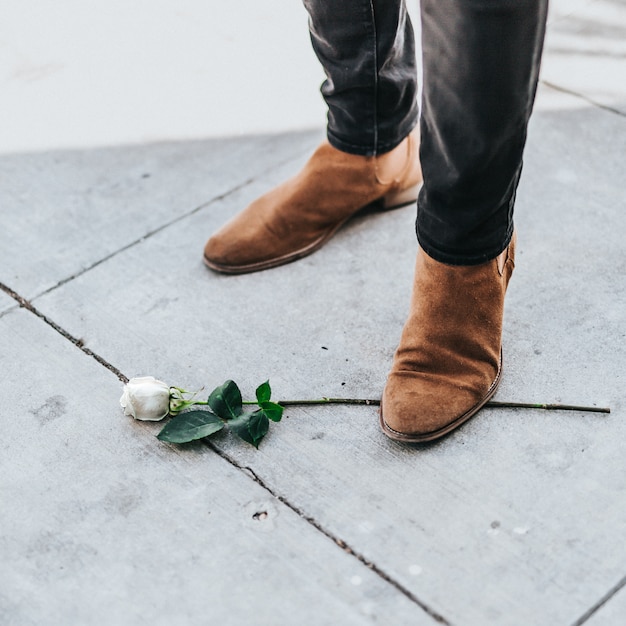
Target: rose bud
[(146, 398)]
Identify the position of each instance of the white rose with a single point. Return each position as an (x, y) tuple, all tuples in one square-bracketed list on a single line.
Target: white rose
[(146, 398)]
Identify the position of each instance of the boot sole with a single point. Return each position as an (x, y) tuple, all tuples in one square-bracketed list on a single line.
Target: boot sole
[(442, 432), (389, 203)]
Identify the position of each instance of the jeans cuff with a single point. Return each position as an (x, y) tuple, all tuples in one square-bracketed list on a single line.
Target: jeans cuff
[(374, 148), (475, 257)]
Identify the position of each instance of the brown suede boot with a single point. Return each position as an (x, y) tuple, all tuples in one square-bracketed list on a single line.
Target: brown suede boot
[(449, 360), (299, 216)]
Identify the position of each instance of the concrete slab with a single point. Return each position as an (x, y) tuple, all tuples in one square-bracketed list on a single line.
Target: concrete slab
[(102, 524), (64, 211), (585, 50), (117, 73), (566, 304), (558, 9), (490, 526)]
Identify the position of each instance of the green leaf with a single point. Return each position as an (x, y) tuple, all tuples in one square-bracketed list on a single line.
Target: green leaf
[(239, 425), (272, 410), (226, 400), (251, 427), (258, 426), (190, 426), (264, 392)]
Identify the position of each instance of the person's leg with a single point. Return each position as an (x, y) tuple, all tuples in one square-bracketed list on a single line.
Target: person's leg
[(367, 50), (368, 53), (481, 63)]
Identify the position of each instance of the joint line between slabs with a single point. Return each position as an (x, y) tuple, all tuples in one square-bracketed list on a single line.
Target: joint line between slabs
[(157, 230), (149, 234), (598, 605), (576, 94), (342, 544), (25, 304)]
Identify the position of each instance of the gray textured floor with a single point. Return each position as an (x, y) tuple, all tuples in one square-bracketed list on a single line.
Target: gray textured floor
[(518, 518)]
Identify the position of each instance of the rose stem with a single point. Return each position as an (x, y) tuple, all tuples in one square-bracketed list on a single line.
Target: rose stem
[(492, 404)]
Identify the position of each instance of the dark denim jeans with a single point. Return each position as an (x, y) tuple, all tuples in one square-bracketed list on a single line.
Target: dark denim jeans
[(481, 63)]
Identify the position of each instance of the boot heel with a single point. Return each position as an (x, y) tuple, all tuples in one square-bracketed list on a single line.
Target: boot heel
[(397, 199)]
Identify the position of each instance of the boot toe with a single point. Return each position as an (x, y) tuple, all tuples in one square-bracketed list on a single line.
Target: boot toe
[(240, 246), (298, 216), (218, 254), (417, 408)]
